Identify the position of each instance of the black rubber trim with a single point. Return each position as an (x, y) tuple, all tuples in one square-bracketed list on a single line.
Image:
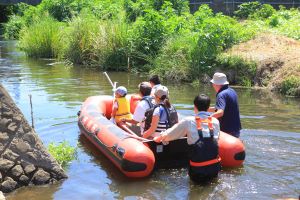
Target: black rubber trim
[(240, 156), (130, 166)]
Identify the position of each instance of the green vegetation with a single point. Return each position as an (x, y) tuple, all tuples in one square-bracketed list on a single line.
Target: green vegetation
[(62, 152), (242, 71), (156, 36), (291, 86), (41, 39)]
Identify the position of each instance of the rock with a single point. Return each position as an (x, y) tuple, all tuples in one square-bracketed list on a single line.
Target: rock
[(17, 118), (12, 127), (2, 197), (3, 137), (30, 156), (8, 185), (29, 168), (17, 171), (8, 154), (23, 158), (30, 138), (1, 147), (5, 164), (41, 177), (24, 179), (20, 146), (3, 123)]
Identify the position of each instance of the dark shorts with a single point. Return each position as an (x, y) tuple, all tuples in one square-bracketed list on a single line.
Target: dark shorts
[(235, 134)]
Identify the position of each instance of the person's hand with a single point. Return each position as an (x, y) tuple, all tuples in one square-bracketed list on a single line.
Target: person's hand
[(157, 139), (123, 120)]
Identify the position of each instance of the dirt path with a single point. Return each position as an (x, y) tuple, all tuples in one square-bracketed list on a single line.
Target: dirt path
[(277, 57)]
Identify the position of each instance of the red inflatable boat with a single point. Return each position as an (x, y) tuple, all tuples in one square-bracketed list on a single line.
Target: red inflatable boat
[(134, 156)]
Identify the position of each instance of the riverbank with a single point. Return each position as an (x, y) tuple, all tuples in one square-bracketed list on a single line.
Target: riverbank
[(277, 60), (164, 39)]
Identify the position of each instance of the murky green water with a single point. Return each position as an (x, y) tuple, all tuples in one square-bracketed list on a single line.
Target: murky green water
[(271, 133)]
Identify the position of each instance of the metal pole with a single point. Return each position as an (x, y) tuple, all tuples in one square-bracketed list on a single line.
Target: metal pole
[(32, 122)]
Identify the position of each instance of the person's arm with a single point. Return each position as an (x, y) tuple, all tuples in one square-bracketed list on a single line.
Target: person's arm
[(131, 121), (151, 130), (219, 113), (114, 109), (211, 109), (177, 131), (216, 127), (220, 107)]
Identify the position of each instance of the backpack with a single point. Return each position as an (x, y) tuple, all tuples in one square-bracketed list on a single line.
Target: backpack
[(148, 100), (172, 115)]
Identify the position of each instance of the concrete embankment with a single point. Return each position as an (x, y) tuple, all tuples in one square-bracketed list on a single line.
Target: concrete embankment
[(23, 158)]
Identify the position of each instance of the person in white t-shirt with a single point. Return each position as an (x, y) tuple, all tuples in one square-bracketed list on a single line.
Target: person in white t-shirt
[(143, 105), (155, 83)]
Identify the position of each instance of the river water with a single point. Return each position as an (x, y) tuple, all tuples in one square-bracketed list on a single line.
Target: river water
[(271, 134)]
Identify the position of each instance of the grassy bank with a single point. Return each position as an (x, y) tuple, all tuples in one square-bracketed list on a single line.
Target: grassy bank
[(160, 37)]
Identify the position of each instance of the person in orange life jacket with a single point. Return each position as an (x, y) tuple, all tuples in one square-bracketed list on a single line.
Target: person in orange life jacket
[(155, 83), (227, 107), (202, 133), (142, 106), (160, 116), (121, 106)]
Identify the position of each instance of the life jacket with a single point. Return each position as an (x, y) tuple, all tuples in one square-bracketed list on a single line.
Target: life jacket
[(204, 154), (149, 100), (123, 109), (172, 117)]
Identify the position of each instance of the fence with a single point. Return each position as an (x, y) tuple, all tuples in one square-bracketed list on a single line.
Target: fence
[(228, 6)]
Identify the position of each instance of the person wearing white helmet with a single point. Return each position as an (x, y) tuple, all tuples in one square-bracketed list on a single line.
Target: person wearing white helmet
[(121, 106), (227, 107)]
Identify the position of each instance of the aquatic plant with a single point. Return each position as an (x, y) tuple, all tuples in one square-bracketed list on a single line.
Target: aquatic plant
[(63, 152)]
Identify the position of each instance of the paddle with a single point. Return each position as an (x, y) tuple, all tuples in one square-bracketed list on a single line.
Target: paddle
[(114, 85)]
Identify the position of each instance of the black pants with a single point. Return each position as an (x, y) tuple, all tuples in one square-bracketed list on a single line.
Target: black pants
[(204, 174)]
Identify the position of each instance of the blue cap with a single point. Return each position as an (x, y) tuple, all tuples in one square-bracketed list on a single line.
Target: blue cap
[(121, 90)]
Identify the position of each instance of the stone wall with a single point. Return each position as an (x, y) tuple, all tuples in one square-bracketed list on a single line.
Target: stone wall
[(23, 158)]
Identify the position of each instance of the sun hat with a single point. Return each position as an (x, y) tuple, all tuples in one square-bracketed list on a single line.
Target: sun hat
[(219, 79), (121, 90), (161, 91)]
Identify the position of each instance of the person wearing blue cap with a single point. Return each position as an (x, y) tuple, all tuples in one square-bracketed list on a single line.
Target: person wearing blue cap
[(121, 106)]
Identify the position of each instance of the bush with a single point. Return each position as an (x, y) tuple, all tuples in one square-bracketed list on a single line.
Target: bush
[(264, 12), (109, 45), (42, 39), (216, 34), (203, 13), (78, 39), (290, 86), (174, 61), (247, 9), (62, 152), (100, 43), (13, 27), (146, 37), (242, 72)]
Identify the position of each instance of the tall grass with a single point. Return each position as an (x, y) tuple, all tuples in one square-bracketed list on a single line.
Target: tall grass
[(42, 39), (78, 39), (174, 61), (101, 43), (110, 45)]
